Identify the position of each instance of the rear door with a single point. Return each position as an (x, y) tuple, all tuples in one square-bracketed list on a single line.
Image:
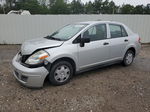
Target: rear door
[(118, 41)]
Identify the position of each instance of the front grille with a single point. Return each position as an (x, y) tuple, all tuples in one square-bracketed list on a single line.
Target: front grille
[(23, 58)]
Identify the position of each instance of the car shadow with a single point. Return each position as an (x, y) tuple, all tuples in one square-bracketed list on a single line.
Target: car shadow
[(93, 71)]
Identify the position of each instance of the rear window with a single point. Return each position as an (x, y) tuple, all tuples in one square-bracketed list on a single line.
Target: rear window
[(117, 31)]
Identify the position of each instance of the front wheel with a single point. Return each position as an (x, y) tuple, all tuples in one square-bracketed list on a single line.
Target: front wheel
[(128, 58), (60, 73)]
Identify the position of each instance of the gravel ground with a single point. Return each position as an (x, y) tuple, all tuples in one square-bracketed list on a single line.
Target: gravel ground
[(110, 89)]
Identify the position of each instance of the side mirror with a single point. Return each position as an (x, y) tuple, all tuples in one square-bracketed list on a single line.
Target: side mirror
[(83, 41)]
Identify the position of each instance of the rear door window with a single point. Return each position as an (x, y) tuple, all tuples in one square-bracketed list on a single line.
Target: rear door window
[(117, 31)]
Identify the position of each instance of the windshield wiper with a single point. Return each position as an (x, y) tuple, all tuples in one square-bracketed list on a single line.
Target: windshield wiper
[(53, 38)]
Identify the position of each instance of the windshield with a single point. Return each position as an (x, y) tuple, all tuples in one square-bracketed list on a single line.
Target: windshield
[(66, 32)]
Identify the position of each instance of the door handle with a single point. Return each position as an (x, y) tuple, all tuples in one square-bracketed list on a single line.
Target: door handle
[(126, 40), (106, 43)]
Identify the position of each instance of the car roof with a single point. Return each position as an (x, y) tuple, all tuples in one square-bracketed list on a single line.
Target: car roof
[(96, 22)]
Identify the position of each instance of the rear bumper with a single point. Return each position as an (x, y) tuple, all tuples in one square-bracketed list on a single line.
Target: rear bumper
[(30, 77), (138, 48)]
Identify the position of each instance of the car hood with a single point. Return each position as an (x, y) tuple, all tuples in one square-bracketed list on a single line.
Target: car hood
[(30, 46)]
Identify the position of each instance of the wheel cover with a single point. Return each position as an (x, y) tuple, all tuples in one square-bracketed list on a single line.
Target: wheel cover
[(62, 73), (129, 58)]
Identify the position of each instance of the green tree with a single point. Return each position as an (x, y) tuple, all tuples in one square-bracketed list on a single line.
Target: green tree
[(112, 8), (76, 7), (89, 8), (32, 5), (139, 9), (147, 9), (1, 10), (98, 4), (105, 7), (59, 7), (127, 9)]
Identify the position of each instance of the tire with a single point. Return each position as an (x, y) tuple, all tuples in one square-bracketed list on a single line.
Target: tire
[(128, 58), (61, 73)]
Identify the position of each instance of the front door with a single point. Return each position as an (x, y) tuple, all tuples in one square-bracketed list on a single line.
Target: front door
[(97, 51)]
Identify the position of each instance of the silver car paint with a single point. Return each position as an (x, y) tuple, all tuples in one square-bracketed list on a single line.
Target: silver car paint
[(30, 46), (93, 53)]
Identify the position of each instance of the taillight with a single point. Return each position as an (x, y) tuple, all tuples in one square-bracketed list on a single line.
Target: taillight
[(139, 40)]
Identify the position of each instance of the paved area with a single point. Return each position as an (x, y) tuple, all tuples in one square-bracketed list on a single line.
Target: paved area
[(110, 89)]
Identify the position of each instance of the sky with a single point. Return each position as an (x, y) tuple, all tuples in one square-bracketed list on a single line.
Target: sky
[(132, 2)]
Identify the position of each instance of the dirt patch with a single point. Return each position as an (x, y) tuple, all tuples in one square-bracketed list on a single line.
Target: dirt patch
[(111, 89)]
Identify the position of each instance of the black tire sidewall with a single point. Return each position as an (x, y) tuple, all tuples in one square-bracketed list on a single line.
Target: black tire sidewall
[(54, 67), (124, 59)]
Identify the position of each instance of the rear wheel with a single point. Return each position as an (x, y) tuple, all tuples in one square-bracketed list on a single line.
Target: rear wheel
[(61, 73), (128, 58)]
